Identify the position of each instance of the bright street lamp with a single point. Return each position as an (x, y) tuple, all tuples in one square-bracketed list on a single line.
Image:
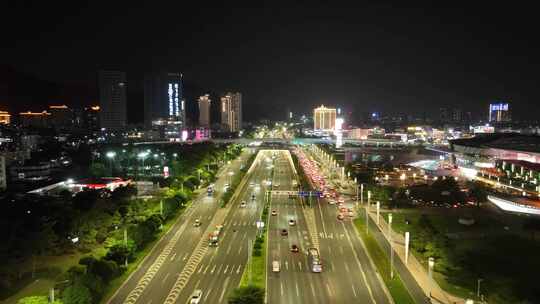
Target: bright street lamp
[(431, 263)]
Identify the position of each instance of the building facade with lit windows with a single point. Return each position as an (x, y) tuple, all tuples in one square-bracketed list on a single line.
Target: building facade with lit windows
[(61, 116), (231, 111), (35, 119), (204, 110), (5, 118), (324, 119), (164, 100), (113, 99)]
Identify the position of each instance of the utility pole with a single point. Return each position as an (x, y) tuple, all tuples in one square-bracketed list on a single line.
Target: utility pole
[(391, 245)]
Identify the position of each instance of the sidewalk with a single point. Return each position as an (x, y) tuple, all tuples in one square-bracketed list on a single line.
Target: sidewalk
[(430, 286)]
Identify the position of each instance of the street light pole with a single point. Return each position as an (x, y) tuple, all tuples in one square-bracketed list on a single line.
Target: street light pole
[(431, 263), (478, 287), (391, 245)]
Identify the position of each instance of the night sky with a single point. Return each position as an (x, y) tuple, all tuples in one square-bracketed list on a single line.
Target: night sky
[(363, 58)]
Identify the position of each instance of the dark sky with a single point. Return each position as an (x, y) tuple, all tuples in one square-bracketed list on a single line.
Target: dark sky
[(364, 57)]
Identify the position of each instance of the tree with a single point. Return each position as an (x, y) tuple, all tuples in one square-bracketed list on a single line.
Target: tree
[(98, 170), (37, 300), (119, 252), (247, 295), (105, 269), (86, 199), (77, 294)]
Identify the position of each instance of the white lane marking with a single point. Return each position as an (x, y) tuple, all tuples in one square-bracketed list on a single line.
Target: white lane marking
[(353, 290), (297, 289), (197, 284), (330, 249), (224, 289), (185, 257), (240, 249), (208, 293), (219, 269), (226, 268), (165, 278), (300, 266), (206, 269), (329, 289), (333, 266), (312, 288), (213, 269), (347, 267), (341, 249), (229, 249), (286, 265), (200, 269), (281, 288), (173, 256), (359, 265), (238, 270)]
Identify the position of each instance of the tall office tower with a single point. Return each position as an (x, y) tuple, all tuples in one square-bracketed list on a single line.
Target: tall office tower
[(499, 112), (163, 99), (112, 98), (231, 111), (457, 115), (204, 110), (324, 119), (3, 184), (444, 115)]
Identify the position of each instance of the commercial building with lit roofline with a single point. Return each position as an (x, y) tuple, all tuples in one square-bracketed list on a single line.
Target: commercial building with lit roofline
[(324, 119)]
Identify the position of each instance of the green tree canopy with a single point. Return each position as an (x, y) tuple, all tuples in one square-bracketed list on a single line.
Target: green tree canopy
[(247, 295)]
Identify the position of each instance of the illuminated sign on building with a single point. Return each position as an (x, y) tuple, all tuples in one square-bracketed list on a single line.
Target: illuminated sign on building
[(174, 104), (499, 112)]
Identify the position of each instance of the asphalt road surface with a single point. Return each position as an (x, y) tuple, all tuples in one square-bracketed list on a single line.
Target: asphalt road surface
[(347, 276), (156, 274)]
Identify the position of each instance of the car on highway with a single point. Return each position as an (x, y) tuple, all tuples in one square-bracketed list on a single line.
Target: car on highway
[(284, 232), (252, 196), (196, 297), (226, 187), (243, 204), (332, 202), (341, 200), (294, 248), (340, 217), (274, 212), (292, 222), (197, 223), (275, 266), (251, 184), (276, 185)]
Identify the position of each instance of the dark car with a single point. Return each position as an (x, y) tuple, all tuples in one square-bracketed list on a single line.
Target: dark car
[(284, 232), (294, 248)]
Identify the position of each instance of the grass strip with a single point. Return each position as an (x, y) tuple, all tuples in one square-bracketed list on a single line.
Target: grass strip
[(395, 286)]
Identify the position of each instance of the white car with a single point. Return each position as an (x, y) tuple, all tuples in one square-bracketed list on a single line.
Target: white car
[(196, 297), (275, 266), (292, 222), (242, 204)]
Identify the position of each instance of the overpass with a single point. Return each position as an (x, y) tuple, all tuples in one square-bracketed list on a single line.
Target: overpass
[(377, 143)]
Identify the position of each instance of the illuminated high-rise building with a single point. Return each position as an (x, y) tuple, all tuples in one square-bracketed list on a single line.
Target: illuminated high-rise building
[(204, 110), (231, 111), (5, 118), (324, 119), (112, 98), (499, 112), (164, 99)]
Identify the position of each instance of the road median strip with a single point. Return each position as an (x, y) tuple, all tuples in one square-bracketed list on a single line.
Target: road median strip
[(395, 285)]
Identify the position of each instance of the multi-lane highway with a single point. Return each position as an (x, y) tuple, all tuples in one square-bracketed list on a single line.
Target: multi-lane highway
[(348, 275), (161, 267), (183, 261)]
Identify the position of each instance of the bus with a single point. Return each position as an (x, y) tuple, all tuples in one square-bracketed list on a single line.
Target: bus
[(314, 260)]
